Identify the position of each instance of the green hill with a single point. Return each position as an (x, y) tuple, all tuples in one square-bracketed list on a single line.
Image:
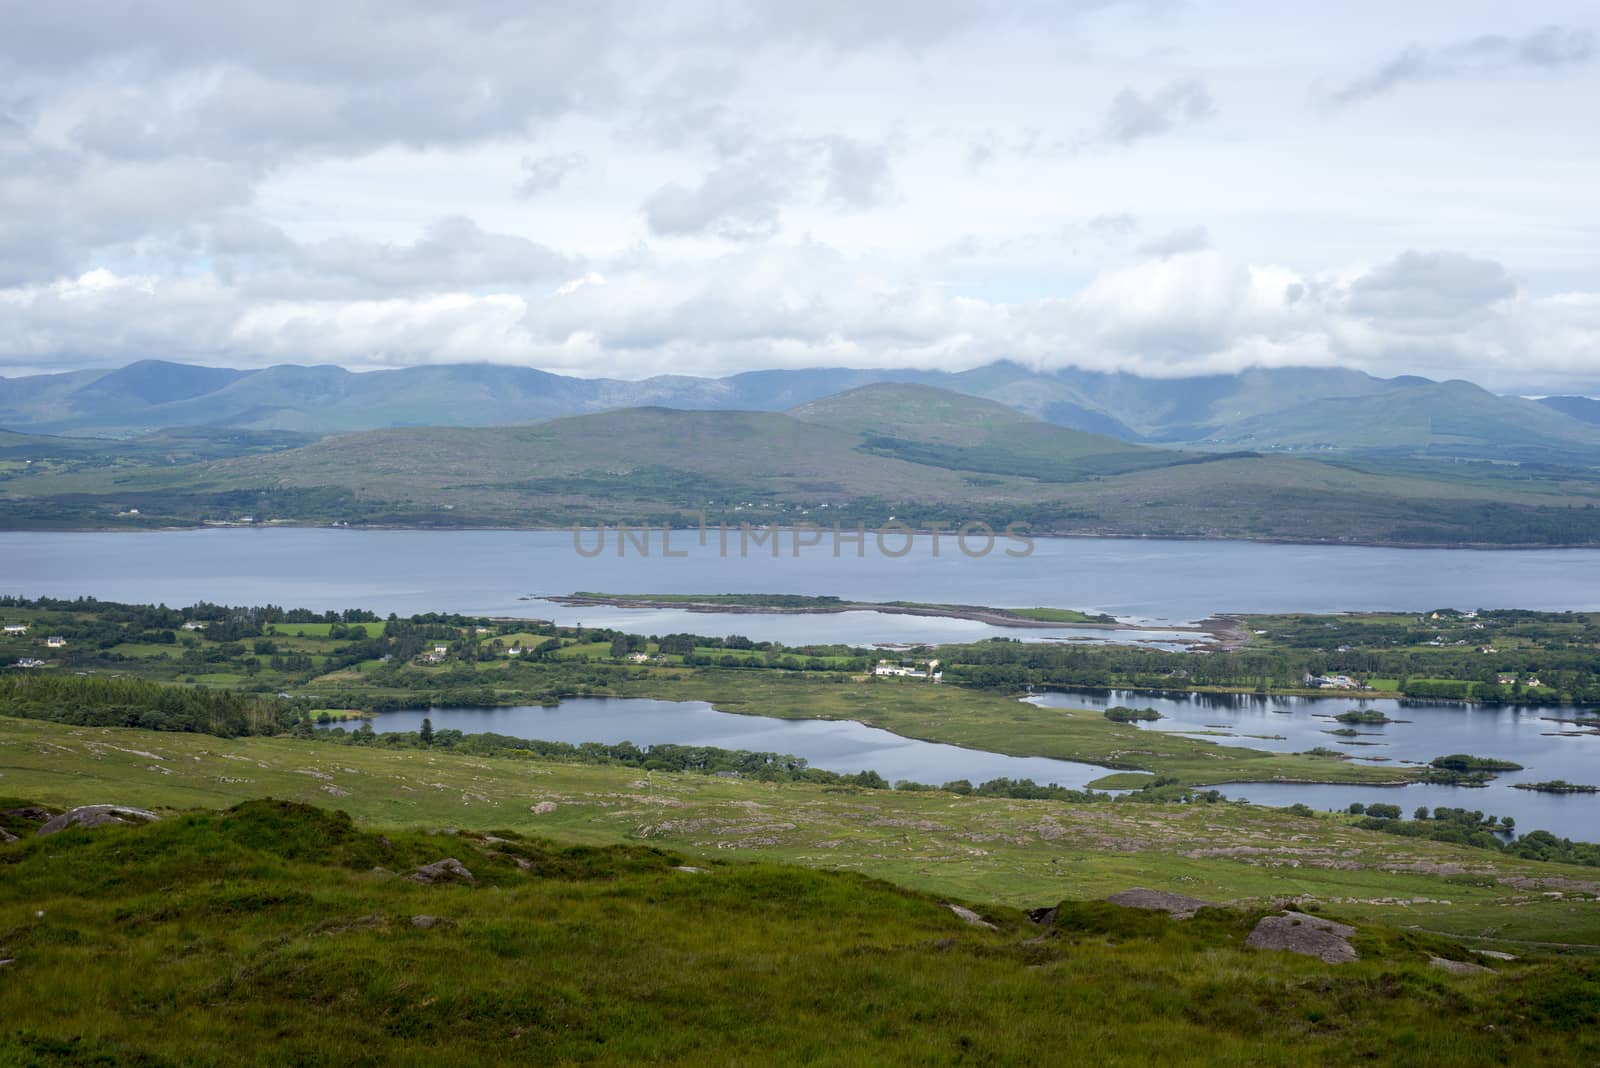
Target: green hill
[(1294, 408), (920, 454), (1423, 419), (274, 932)]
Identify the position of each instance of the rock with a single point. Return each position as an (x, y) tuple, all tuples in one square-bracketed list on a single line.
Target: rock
[(1494, 954), (448, 870), (1312, 936), (1178, 906), (970, 918), (1044, 917), (543, 808), (691, 869), (428, 923), (98, 816), (6, 836), (30, 813), (1458, 967), (8, 960)]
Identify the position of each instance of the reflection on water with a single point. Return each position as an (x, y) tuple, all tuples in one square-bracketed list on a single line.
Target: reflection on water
[(1533, 737), (841, 746)]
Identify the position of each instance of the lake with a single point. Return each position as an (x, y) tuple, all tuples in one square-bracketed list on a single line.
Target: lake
[(1533, 737), (1522, 735), (491, 572), (833, 745)]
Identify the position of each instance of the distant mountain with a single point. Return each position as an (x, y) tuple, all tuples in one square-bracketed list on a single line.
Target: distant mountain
[(902, 450), (1280, 409), (1586, 409)]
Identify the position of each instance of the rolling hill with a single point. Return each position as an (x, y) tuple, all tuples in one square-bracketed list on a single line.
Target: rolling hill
[(1280, 409), (923, 455)]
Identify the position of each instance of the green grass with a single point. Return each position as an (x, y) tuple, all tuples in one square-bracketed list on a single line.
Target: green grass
[(1058, 615), (264, 935), (320, 630), (1018, 853)]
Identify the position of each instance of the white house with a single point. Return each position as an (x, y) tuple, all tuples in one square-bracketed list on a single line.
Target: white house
[(930, 670), (194, 624), (56, 642), (16, 628)]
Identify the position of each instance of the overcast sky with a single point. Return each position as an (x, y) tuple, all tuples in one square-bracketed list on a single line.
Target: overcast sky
[(702, 188)]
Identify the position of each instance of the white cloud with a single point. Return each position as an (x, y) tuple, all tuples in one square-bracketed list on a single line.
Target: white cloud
[(605, 188), (1548, 49)]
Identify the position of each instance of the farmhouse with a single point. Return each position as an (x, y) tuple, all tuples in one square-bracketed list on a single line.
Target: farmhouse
[(1332, 682), (919, 670), (16, 628), (56, 642)]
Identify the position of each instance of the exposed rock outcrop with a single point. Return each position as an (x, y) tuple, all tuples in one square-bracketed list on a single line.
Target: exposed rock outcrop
[(970, 918), (98, 816), (1458, 967), (1178, 906), (1312, 936), (448, 870)]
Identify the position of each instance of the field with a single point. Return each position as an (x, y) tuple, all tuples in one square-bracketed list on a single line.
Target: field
[(1016, 853), (272, 934)]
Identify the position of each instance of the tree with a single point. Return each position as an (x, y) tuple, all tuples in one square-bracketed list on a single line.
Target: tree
[(1421, 813), (426, 733)]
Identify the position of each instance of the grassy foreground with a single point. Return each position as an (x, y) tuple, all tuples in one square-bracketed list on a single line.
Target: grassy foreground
[(1009, 852), (274, 933)]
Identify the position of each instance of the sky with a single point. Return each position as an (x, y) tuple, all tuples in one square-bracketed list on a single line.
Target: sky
[(711, 186)]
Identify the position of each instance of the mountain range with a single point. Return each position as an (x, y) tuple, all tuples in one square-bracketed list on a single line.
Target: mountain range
[(911, 452), (1297, 410)]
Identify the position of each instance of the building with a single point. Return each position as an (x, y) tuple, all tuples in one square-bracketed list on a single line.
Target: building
[(56, 642), (194, 624), (30, 662), (1332, 682), (16, 628), (920, 670)]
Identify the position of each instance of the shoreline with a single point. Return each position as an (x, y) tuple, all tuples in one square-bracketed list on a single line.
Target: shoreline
[(1224, 631), (1257, 539)]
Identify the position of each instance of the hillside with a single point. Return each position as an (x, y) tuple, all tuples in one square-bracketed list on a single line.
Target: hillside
[(1278, 408), (1422, 418), (1586, 409), (923, 455), (605, 919)]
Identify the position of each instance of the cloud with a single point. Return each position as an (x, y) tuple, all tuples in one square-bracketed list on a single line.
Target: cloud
[(740, 201), (1422, 288), (1134, 117), (857, 173), (1438, 313), (1550, 48), (452, 254), (1177, 242), (743, 199), (544, 174)]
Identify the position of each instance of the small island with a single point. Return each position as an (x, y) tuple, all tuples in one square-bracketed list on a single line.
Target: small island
[(1557, 786), (1462, 769), (1364, 715), (1123, 714), (1465, 762), (810, 604)]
